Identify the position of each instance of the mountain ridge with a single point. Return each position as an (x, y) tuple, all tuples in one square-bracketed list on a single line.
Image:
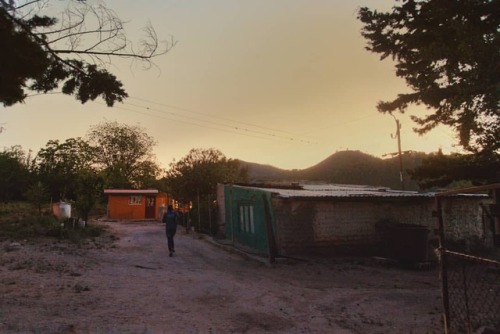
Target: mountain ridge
[(344, 167)]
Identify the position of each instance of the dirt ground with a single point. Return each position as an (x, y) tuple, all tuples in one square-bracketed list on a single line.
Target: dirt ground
[(130, 285)]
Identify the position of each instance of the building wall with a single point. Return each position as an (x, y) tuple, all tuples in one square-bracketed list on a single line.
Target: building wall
[(339, 226), (162, 202), (119, 207), (245, 217), (294, 226), (466, 222)]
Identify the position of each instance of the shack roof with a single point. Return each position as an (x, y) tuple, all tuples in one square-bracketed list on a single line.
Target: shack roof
[(345, 191), (349, 191), (131, 191)]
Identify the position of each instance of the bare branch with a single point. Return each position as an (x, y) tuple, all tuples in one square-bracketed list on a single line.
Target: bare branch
[(59, 31), (26, 4), (76, 48), (94, 31), (105, 53)]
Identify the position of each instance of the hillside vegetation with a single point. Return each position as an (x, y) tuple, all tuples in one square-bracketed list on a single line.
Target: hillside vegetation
[(345, 167)]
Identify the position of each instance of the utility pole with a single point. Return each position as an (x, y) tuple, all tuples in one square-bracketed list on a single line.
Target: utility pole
[(398, 136)]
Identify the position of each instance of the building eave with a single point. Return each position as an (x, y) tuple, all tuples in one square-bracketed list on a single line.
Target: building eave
[(131, 191)]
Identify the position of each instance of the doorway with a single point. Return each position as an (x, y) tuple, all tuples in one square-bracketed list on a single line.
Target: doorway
[(150, 207)]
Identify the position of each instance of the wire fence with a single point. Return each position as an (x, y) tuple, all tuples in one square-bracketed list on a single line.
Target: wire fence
[(471, 283), (473, 293), (203, 216)]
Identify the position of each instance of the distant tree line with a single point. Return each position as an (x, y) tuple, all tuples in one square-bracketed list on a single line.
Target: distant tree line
[(112, 155)]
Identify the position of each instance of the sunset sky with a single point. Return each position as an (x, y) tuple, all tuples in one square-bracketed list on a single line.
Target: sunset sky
[(283, 82)]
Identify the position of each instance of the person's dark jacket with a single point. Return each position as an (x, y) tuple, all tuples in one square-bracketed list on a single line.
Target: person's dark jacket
[(170, 219)]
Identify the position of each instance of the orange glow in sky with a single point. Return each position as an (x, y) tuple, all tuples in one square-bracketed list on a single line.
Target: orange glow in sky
[(284, 82)]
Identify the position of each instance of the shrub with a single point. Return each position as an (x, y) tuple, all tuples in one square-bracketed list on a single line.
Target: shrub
[(19, 222)]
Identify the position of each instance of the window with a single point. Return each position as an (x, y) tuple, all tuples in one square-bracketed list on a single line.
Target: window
[(246, 219), (135, 200), (150, 201)]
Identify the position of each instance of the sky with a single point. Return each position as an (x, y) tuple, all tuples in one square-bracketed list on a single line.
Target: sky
[(285, 83)]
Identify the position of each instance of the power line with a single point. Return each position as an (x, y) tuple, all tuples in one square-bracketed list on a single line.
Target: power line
[(204, 125), (289, 138), (235, 129), (212, 116), (268, 133)]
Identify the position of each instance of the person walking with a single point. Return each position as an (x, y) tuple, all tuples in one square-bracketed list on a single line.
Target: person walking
[(170, 219)]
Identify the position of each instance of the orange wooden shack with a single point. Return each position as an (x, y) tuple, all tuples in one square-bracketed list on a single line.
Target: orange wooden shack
[(136, 204)]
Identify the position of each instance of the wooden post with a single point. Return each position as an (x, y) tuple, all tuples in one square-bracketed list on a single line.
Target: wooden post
[(271, 242), (199, 212), (495, 212), (209, 215), (231, 213), (443, 266)]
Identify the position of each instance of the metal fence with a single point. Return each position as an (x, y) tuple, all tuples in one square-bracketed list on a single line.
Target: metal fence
[(471, 283)]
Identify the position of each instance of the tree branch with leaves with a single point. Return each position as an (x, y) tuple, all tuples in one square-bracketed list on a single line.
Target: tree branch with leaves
[(199, 172), (45, 52), (448, 51)]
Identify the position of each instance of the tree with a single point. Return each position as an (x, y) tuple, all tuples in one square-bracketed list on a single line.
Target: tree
[(38, 195), (15, 173), (194, 179), (44, 52), (89, 188), (124, 155), (448, 51), (58, 166), (440, 170), (198, 173), (145, 175)]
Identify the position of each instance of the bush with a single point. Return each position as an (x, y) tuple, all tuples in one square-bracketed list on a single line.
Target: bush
[(11, 208), (17, 229), (19, 222), (69, 229)]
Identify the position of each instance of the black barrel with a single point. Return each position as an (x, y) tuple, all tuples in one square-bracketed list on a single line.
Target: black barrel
[(408, 242)]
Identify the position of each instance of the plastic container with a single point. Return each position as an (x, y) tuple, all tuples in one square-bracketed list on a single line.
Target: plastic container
[(64, 210)]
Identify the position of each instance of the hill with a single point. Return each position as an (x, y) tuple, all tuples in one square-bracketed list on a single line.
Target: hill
[(259, 172), (345, 167)]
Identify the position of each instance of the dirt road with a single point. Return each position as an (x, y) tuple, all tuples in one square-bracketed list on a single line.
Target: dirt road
[(134, 287)]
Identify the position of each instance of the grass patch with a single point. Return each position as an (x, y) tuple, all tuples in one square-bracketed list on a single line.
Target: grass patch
[(14, 208), (18, 221)]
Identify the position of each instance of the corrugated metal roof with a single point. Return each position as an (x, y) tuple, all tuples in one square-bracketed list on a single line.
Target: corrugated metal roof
[(349, 191), (131, 191), (342, 191)]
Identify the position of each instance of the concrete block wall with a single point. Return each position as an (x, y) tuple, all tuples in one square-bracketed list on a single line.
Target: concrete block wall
[(306, 226), (294, 228), (465, 221)]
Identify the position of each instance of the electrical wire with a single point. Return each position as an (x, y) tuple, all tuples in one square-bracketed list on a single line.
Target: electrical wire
[(233, 130)]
